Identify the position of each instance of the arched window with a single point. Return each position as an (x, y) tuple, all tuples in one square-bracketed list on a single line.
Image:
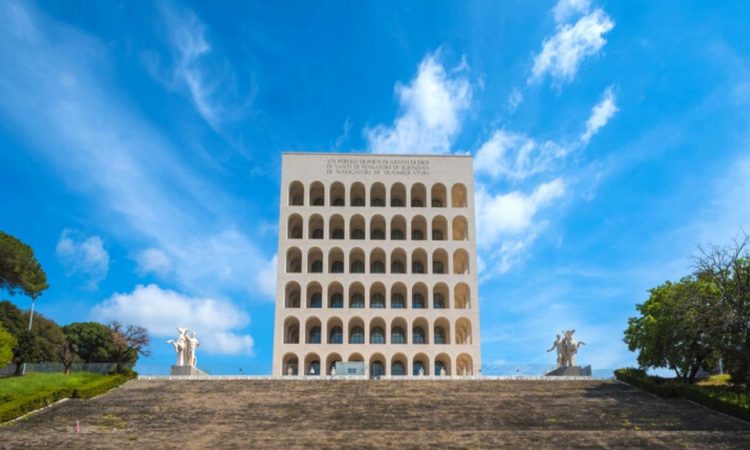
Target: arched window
[(377, 301), (316, 266), (296, 194), (337, 336), (417, 267), (377, 267), (357, 336), (338, 192), (377, 195), (398, 336), (417, 301), (377, 234), (377, 369), (317, 194), (397, 267), (440, 367), (398, 195), (437, 267), (317, 233), (418, 195), (337, 300), (294, 226), (358, 267), (397, 301), (337, 267), (358, 234), (337, 234), (438, 195), (358, 194), (439, 335), (417, 235), (314, 337), (358, 301), (397, 235), (377, 336), (316, 300), (438, 301), (398, 369), (419, 368), (418, 336), (458, 196)]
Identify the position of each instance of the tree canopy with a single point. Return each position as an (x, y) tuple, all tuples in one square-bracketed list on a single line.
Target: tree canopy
[(93, 341), (7, 343), (19, 268), (702, 321)]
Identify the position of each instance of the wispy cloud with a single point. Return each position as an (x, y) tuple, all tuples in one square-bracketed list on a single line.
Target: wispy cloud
[(565, 9), (161, 311), (83, 256), (197, 70), (515, 156), (564, 52), (600, 115), (60, 104), (153, 260), (431, 107)]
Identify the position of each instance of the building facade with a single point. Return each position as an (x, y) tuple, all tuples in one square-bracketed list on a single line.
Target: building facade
[(377, 263)]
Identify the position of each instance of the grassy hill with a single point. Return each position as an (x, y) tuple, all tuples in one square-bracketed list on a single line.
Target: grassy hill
[(362, 414)]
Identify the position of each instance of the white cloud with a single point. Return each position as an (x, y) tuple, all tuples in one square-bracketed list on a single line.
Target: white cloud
[(83, 256), (563, 53), (600, 115), (508, 224), (153, 260), (565, 9), (515, 156), (431, 107), (161, 311)]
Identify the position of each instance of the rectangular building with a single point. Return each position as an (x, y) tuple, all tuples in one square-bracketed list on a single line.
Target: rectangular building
[(377, 263)]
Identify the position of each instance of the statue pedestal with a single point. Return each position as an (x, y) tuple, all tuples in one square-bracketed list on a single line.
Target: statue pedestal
[(186, 371), (575, 371)]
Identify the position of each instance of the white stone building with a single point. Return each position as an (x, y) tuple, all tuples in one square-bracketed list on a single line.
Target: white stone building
[(377, 263)]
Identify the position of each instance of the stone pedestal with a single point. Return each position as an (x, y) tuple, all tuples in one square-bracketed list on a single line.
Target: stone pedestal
[(575, 371), (186, 371)]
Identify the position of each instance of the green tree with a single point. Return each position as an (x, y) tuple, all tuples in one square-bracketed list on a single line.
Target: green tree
[(19, 269), (677, 327), (728, 269), (7, 343), (93, 341), (40, 344)]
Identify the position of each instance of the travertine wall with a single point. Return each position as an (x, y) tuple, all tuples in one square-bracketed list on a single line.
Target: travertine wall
[(359, 234)]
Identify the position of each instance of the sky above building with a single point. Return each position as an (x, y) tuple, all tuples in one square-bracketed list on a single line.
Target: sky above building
[(140, 147)]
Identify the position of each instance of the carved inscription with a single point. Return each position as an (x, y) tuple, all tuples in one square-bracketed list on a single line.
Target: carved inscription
[(383, 167)]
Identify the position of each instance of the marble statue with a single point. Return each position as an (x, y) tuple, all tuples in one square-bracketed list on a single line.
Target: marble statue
[(289, 371), (180, 346), (421, 372), (442, 372), (185, 346), (570, 347), (558, 345)]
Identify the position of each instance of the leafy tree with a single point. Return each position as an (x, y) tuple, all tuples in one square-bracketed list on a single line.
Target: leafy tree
[(728, 268), (677, 327), (7, 343), (19, 269), (38, 345), (93, 341), (129, 343)]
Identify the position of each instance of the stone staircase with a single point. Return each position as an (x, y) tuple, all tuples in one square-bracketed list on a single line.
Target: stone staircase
[(372, 414)]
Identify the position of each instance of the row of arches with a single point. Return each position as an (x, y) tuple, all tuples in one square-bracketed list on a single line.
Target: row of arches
[(358, 228), (376, 331), (398, 262), (377, 195), (379, 365), (376, 296)]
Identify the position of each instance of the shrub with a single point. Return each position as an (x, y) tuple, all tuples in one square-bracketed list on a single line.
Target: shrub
[(16, 407), (733, 403)]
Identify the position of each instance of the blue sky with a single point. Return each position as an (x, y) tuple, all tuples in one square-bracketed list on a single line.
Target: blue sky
[(140, 148)]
